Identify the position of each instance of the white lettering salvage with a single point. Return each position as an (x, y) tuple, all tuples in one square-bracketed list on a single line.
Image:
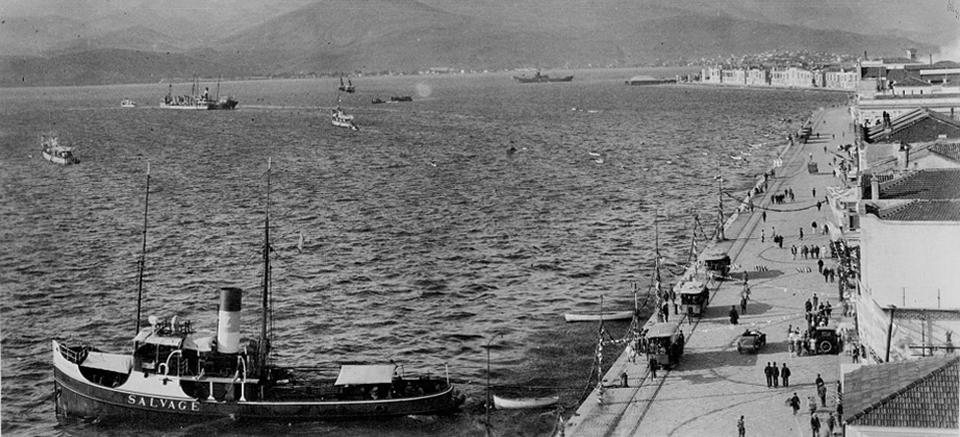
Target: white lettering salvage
[(162, 404)]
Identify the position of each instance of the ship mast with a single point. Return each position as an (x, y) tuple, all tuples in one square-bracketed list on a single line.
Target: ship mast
[(264, 346), (143, 251)]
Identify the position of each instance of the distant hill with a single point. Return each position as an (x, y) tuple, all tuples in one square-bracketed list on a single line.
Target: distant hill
[(146, 42)]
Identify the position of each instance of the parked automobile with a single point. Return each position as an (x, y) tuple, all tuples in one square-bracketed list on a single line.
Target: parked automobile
[(825, 340), (751, 340)]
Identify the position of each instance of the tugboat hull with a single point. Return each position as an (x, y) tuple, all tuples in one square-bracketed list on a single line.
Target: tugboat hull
[(161, 398)]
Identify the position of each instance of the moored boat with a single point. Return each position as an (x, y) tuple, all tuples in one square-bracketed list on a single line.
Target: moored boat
[(52, 151), (348, 88), (503, 403), (598, 316), (172, 375), (127, 103)]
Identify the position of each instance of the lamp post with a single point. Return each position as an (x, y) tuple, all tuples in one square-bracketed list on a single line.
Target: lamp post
[(489, 399)]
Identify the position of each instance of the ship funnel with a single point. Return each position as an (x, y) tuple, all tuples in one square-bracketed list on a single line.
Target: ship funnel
[(228, 328)]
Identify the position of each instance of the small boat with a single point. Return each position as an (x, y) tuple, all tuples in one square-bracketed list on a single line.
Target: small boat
[(541, 78), (503, 403), (52, 150), (171, 374), (401, 99), (340, 119), (377, 101), (127, 103), (597, 316)]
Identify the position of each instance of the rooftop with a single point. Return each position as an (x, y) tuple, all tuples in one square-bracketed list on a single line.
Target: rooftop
[(920, 124), (949, 151), (924, 210), (920, 393), (929, 184)]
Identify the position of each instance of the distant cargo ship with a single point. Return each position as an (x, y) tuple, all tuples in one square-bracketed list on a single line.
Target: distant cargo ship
[(538, 78)]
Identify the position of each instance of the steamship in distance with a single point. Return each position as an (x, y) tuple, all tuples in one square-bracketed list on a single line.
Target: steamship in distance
[(172, 375)]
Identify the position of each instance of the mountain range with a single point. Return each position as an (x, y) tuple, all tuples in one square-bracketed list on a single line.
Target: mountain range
[(76, 42)]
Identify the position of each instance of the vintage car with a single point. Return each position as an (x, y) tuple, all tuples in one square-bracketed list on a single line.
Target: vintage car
[(751, 341), (825, 340)]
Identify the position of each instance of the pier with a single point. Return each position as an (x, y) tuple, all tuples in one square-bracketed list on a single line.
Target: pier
[(714, 385)]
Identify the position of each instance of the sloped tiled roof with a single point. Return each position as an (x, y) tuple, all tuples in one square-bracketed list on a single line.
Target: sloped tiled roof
[(919, 393), (929, 184), (949, 151), (911, 81), (924, 210), (902, 126)]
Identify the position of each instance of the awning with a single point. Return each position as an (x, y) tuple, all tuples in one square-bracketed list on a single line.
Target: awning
[(693, 287), (666, 329), (366, 374), (112, 362)]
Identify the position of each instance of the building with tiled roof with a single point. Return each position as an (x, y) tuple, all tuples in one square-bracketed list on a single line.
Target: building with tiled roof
[(917, 125), (913, 398), (909, 258)]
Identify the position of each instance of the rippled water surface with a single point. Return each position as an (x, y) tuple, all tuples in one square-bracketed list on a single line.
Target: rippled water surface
[(422, 236)]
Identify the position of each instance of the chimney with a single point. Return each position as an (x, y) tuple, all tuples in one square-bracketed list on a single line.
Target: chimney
[(228, 327), (903, 156), (912, 54), (874, 188)]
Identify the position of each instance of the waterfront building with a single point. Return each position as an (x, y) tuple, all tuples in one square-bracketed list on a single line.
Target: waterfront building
[(733, 76), (913, 398), (908, 304), (757, 77), (841, 78), (711, 75), (792, 77)]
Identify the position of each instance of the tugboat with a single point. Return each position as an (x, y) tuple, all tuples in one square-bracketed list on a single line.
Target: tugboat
[(540, 78), (52, 151), (172, 375)]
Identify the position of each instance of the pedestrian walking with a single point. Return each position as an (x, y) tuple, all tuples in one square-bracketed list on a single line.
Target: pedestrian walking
[(734, 316), (820, 266), (763, 236), (822, 392), (795, 403), (814, 192), (654, 365), (831, 423), (741, 429), (776, 375), (785, 375), (815, 301), (818, 205), (804, 251), (743, 303), (815, 425), (768, 374), (764, 216), (801, 234), (793, 251)]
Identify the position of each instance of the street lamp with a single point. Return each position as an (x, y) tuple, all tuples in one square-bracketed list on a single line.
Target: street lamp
[(489, 399)]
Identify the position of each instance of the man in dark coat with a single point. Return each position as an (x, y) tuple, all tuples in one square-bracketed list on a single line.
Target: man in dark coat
[(795, 403), (785, 375), (769, 374), (734, 316), (775, 372), (815, 425)]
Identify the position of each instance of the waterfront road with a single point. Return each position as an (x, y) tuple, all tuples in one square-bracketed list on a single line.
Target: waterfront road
[(714, 385)]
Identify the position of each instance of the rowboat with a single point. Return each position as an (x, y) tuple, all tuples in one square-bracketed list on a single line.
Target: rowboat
[(596, 316), (502, 403)]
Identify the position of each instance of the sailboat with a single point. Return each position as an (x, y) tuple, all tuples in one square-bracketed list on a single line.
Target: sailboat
[(173, 375)]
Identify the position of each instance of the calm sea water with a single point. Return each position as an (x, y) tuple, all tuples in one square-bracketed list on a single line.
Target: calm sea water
[(422, 236)]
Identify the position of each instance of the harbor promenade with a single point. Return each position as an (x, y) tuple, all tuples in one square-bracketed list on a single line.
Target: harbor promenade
[(714, 385)]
